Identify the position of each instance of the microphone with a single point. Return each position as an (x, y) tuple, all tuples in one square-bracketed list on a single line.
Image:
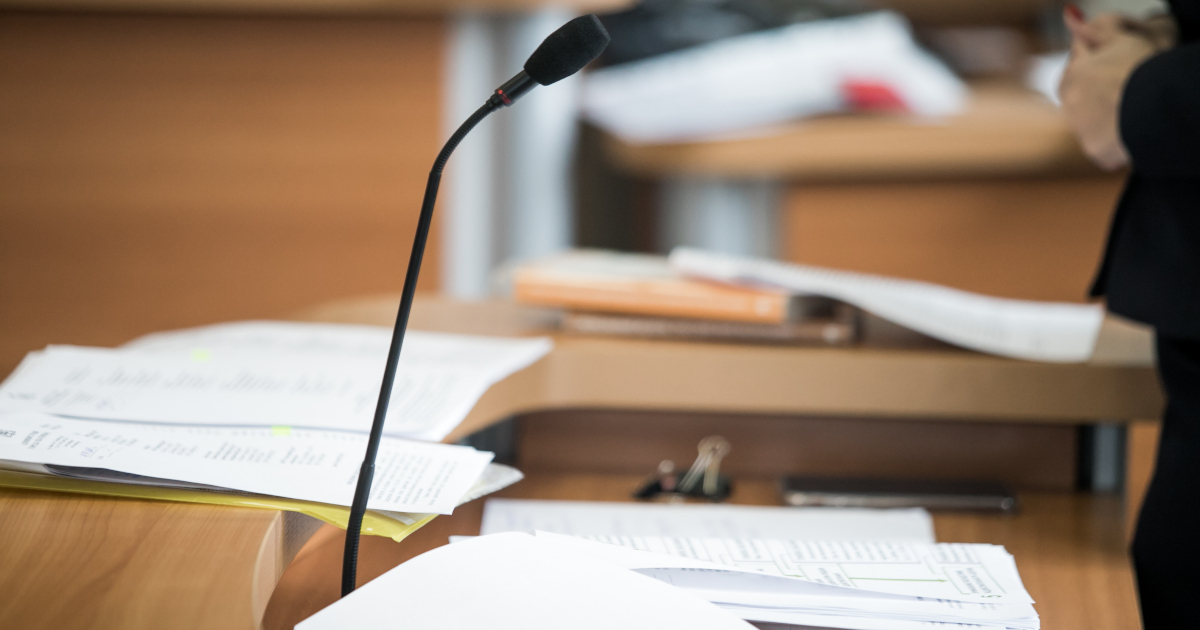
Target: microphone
[(565, 52)]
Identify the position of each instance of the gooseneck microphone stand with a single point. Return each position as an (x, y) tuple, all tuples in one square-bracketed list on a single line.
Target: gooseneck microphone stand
[(365, 475), (563, 53)]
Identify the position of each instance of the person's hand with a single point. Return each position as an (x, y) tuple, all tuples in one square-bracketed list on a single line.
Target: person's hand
[(1104, 52)]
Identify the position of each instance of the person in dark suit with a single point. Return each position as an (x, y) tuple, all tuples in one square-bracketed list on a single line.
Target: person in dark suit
[(1131, 92)]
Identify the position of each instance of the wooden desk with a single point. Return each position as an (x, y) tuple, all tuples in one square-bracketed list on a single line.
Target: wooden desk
[(998, 200), (114, 563), (1069, 550), (76, 561), (922, 381), (1006, 129)]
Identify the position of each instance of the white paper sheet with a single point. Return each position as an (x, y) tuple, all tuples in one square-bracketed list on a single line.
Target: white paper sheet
[(493, 355), (593, 518), (952, 571), (755, 595), (270, 375), (512, 581), (766, 78), (797, 621), (765, 593), (1041, 331), (302, 464)]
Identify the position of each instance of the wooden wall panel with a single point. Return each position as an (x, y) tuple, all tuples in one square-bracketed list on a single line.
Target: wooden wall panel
[(162, 171), (1036, 239), (1026, 456)]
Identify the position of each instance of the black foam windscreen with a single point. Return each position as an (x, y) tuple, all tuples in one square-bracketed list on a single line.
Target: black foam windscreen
[(567, 50)]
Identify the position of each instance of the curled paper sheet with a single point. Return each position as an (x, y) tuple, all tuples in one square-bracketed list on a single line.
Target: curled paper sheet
[(1022, 329)]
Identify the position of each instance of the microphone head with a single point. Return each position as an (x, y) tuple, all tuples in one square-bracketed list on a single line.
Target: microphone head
[(567, 50)]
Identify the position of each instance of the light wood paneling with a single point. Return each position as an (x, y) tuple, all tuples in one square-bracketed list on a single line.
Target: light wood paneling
[(1036, 239), (161, 171), (74, 561), (1025, 456), (1068, 549)]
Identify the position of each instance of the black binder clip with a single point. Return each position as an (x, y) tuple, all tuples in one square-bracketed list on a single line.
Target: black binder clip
[(703, 480)]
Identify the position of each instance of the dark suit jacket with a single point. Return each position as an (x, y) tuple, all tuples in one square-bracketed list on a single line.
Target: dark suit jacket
[(1151, 267)]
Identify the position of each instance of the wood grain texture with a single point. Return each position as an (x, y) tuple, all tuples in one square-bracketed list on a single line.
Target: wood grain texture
[(1024, 456), (1071, 553), (1028, 238), (1068, 548), (72, 561), (1006, 130), (159, 171)]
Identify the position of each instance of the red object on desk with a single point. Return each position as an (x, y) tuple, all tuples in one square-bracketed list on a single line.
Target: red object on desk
[(872, 96)]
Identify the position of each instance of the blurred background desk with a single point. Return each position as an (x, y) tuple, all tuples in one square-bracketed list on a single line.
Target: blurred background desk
[(998, 200), (167, 163)]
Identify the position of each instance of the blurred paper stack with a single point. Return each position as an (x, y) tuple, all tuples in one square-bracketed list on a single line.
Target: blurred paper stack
[(611, 293)]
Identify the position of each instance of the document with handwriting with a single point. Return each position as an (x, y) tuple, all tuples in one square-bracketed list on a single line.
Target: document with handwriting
[(310, 465)]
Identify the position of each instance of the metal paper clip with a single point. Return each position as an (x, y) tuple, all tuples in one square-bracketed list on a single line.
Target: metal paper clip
[(703, 479)]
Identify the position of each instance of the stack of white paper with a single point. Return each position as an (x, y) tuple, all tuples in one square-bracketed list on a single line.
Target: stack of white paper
[(1042, 331), (770, 77), (318, 376), (267, 408), (608, 518), (870, 585), (309, 465)]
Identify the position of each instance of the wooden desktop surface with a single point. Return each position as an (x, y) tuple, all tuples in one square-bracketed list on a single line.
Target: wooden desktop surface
[(1069, 549), (75, 561), (925, 380), (84, 562)]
